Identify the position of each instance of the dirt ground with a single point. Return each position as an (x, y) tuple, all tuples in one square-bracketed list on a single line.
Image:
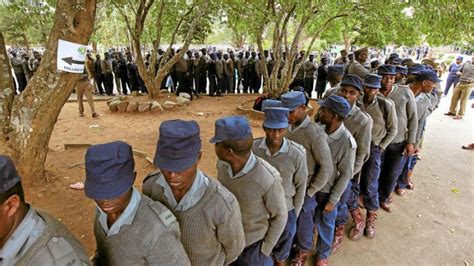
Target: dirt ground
[(431, 225)]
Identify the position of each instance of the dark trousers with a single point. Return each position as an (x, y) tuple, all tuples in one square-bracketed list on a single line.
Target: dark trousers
[(325, 223), (253, 256), (297, 82), (220, 85), (308, 86), (213, 85), (408, 166), (125, 83), (305, 225), (226, 86), (281, 251), (451, 81), (99, 82), (202, 84), (237, 85), (256, 83), (246, 82), (369, 182), (21, 81), (392, 165), (109, 83), (342, 205)]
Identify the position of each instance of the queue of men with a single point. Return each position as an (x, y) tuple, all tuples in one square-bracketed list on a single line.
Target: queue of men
[(270, 195)]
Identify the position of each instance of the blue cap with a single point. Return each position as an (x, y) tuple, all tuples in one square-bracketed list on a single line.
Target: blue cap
[(231, 128), (393, 55), (427, 74), (416, 68), (352, 80), (270, 103), (373, 81), (387, 70), (402, 69), (178, 145), (335, 70), (293, 99), (276, 117), (459, 58), (396, 61), (8, 175), (110, 170), (337, 104)]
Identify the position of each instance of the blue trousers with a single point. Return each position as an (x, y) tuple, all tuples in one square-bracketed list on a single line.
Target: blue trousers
[(451, 80), (281, 251), (409, 165), (342, 207), (253, 256), (305, 225), (369, 182), (392, 166), (325, 222)]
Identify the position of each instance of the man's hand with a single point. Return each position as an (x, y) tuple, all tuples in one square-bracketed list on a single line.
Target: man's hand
[(417, 151), (409, 149), (329, 207)]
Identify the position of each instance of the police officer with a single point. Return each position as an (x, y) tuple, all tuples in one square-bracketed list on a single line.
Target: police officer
[(401, 75), (335, 73), (208, 214), (357, 67), (309, 68), (334, 110), (29, 236), (342, 60), (257, 186), (129, 228), (288, 158)]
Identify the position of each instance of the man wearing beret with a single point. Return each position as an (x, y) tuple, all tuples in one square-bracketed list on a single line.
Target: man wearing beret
[(384, 129), (30, 236), (357, 67), (208, 214), (288, 158), (304, 132), (404, 142), (424, 83), (129, 228), (359, 125), (334, 110), (256, 185)]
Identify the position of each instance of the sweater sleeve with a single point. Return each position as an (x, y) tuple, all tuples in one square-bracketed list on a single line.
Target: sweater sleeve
[(363, 139), (168, 249), (275, 203), (412, 119), (391, 124), (322, 156), (300, 177), (231, 234), (345, 168)]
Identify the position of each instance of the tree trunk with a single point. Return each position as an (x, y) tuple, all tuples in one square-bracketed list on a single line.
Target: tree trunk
[(347, 41), (36, 110), (7, 94)]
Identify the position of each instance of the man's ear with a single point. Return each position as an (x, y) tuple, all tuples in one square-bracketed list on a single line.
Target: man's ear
[(12, 204)]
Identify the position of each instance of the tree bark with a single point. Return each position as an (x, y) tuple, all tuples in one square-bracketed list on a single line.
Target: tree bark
[(7, 94), (35, 111)]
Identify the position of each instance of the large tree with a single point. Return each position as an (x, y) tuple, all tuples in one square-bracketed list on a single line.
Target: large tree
[(27, 121)]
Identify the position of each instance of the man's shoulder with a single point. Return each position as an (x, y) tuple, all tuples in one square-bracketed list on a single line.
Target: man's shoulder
[(222, 203)]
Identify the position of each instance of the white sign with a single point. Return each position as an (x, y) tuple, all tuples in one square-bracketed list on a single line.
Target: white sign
[(71, 56)]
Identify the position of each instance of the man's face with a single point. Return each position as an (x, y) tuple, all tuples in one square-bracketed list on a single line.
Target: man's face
[(297, 114), (370, 93), (350, 93), (311, 58), (221, 152), (458, 61), (398, 76), (428, 86), (325, 116), (363, 56), (343, 54), (181, 181), (113, 206), (388, 81), (275, 136)]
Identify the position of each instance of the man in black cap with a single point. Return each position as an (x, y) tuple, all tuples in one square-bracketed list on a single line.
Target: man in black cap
[(208, 214), (129, 228), (29, 236), (357, 67)]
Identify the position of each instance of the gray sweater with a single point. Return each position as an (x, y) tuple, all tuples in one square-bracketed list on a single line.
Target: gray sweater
[(343, 151), (315, 141), (358, 69), (423, 109), (211, 230), (291, 164), (407, 118), (384, 120), (262, 203), (55, 246), (151, 239)]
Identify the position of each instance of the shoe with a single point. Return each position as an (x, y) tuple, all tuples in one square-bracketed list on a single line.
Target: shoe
[(385, 206), (361, 201), (338, 237), (95, 115), (458, 117), (410, 185), (358, 228), (278, 263), (468, 147), (400, 191), (300, 258), (81, 115), (390, 199), (450, 114), (370, 224), (321, 262)]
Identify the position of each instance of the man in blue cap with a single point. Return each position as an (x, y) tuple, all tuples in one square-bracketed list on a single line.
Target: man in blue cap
[(384, 129), (453, 77), (129, 228), (208, 214), (256, 185), (288, 158), (412, 70), (334, 110), (304, 132), (359, 125), (29, 236), (402, 72), (357, 67), (424, 83), (404, 142), (335, 73)]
